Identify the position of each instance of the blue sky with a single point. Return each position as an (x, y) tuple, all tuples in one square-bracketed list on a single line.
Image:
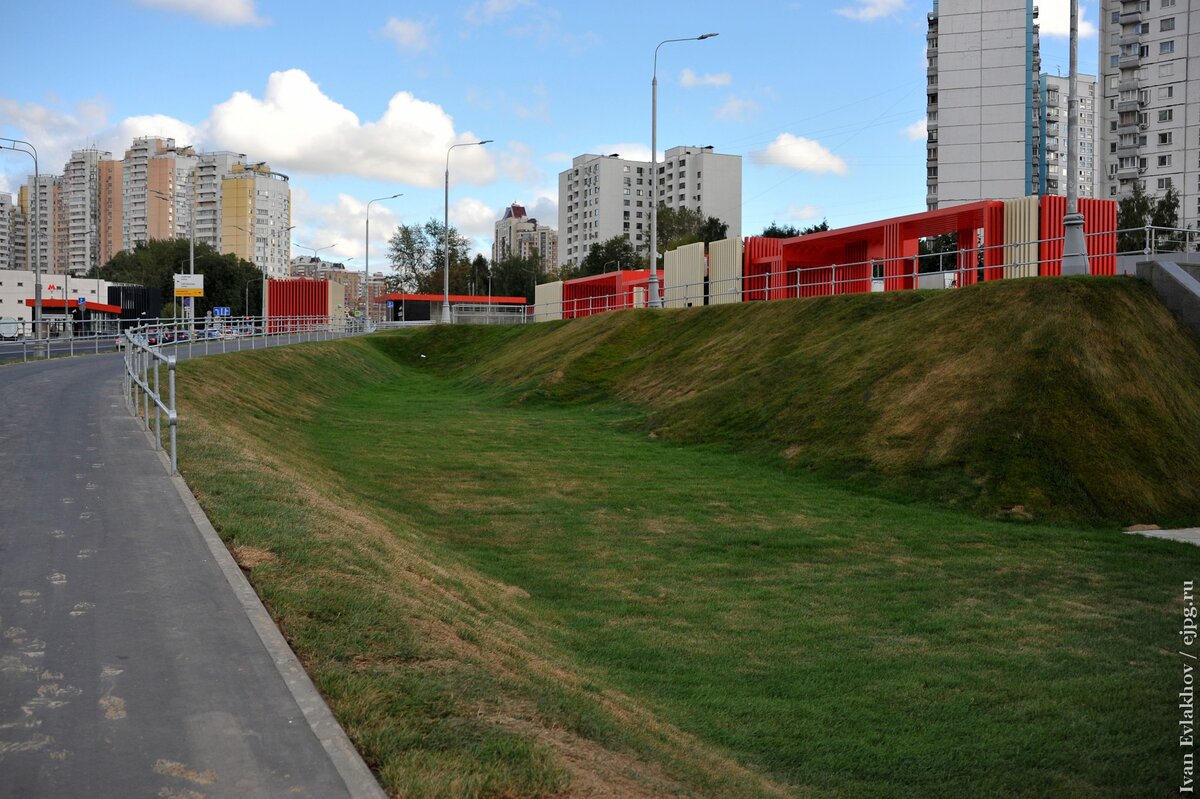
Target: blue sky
[(825, 102)]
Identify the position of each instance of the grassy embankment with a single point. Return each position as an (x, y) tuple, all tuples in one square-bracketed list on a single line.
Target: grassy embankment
[(536, 598)]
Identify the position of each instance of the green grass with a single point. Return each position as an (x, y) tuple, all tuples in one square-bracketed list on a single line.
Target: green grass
[(508, 584)]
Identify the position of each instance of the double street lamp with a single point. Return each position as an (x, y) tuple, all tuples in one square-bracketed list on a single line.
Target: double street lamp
[(446, 223), (367, 261), (655, 300)]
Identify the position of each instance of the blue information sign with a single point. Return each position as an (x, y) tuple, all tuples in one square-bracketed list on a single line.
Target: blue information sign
[(82, 301), (222, 311)]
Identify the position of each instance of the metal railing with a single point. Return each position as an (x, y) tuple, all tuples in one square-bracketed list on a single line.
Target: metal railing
[(59, 336), (159, 344), (951, 269)]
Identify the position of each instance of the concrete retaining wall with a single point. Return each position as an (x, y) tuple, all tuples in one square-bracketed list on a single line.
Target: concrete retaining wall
[(1178, 286)]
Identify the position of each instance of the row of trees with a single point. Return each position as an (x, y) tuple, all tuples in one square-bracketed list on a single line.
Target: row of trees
[(229, 281)]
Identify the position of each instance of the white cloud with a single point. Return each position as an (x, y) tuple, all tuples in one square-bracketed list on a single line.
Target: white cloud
[(557, 157), (1054, 19), (488, 11), (690, 79), (544, 208), (343, 223), (805, 213), (296, 126), (516, 164), (870, 10), (409, 35), (475, 220), (917, 131), (218, 12), (630, 152), (736, 109), (801, 154), (293, 127)]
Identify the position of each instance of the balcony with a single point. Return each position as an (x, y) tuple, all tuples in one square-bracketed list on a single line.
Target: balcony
[(1128, 60), (1128, 105), (1130, 18)]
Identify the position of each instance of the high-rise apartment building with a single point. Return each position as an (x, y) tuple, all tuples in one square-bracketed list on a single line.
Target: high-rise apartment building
[(982, 101), (520, 235), (1150, 132), (156, 191), (37, 200), (604, 196), (685, 172), (8, 215), (256, 215), (112, 211), (80, 210), (1053, 158)]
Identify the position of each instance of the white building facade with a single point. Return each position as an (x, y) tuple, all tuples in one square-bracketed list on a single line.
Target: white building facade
[(982, 101), (604, 196), (1053, 159), (520, 235), (1150, 103)]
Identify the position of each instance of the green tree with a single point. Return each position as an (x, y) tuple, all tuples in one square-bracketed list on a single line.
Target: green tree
[(675, 227), (1139, 209), (227, 278), (774, 231), (417, 254), (516, 277), (609, 256), (939, 246)]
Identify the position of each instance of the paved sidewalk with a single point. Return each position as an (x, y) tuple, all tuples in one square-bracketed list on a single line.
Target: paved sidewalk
[(1190, 535), (130, 662)]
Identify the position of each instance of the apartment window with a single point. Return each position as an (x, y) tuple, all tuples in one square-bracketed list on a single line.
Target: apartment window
[(1166, 70), (1166, 47), (1165, 138), (1164, 160), (1166, 115), (1166, 92), (1168, 3), (1116, 17), (1167, 24), (1164, 183), (1112, 147)]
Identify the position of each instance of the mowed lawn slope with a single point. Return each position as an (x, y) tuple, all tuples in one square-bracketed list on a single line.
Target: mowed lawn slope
[(1071, 400), (537, 598)]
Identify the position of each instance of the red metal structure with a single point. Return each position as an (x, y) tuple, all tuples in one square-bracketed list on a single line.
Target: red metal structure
[(848, 260), (880, 255), (610, 291), (1099, 226), (290, 300)]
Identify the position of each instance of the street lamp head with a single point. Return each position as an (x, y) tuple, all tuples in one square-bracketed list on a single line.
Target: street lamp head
[(706, 36), (485, 141)]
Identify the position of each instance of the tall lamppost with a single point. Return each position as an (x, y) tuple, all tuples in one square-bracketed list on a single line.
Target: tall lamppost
[(655, 300), (191, 308), (37, 255), (367, 256), (1074, 260), (446, 223)]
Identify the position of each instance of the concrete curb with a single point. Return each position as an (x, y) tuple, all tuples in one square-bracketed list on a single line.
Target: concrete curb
[(359, 780)]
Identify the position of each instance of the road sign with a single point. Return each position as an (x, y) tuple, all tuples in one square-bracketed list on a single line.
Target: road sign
[(81, 301), (222, 311), (189, 285), (391, 304)]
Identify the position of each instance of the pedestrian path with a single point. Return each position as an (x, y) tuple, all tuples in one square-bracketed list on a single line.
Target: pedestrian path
[(1189, 535), (134, 659)]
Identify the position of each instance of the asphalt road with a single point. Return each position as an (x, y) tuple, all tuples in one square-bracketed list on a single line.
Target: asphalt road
[(129, 666)]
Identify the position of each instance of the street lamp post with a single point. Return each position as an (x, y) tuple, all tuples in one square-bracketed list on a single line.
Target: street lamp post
[(446, 223), (37, 255), (367, 261), (655, 300), (1074, 260)]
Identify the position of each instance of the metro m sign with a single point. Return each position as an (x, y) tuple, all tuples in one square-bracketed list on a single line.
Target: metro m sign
[(189, 285)]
